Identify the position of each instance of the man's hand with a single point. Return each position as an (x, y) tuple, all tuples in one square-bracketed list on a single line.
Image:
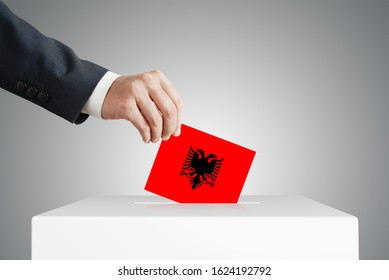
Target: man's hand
[(149, 101)]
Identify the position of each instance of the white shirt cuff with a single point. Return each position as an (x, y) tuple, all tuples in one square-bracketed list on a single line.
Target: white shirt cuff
[(95, 102)]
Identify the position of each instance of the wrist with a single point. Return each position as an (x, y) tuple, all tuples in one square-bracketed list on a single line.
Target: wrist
[(95, 102)]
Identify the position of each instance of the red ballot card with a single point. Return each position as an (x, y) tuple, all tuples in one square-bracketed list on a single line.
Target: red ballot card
[(197, 167)]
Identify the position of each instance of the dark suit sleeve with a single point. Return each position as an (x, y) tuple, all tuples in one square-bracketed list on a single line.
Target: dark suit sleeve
[(43, 70)]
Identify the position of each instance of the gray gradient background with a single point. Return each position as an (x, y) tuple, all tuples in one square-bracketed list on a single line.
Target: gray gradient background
[(303, 83)]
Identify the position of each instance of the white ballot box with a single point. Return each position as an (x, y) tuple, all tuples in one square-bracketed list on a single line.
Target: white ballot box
[(150, 227)]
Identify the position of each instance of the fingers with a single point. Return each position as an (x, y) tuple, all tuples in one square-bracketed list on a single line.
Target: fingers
[(168, 112), (164, 118), (152, 115), (137, 119), (169, 89)]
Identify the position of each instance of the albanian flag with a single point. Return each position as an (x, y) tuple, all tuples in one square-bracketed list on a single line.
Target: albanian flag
[(197, 167)]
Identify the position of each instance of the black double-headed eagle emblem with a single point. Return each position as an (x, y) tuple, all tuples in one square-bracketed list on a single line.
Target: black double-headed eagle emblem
[(201, 169)]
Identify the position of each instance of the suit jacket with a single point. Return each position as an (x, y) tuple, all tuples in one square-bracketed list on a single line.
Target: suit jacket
[(43, 70)]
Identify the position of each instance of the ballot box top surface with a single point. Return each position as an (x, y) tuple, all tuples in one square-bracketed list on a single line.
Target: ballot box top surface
[(154, 206)]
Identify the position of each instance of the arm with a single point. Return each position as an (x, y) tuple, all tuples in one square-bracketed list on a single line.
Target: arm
[(49, 74), (43, 70)]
